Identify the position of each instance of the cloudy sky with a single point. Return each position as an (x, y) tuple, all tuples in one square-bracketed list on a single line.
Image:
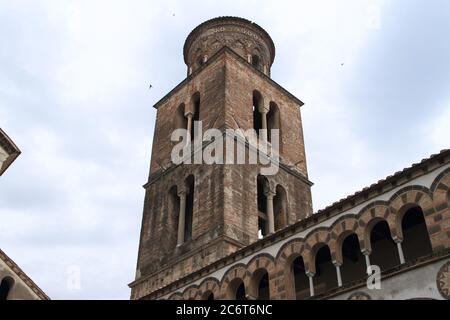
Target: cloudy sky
[(74, 78)]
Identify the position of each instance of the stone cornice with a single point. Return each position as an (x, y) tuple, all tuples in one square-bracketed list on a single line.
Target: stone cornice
[(160, 173)]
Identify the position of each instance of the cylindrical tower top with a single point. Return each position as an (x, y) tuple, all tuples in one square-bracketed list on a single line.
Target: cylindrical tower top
[(246, 38)]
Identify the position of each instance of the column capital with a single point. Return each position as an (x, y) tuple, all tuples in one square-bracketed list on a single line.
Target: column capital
[(337, 263), (189, 114), (268, 192), (182, 193), (263, 109), (397, 239), (366, 252), (310, 274)]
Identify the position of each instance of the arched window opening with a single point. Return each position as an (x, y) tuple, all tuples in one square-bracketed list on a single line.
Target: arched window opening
[(257, 104), (190, 185), (173, 212), (208, 295), (236, 290), (273, 122), (200, 61), (256, 61), (280, 208), (353, 262), (240, 292), (384, 250), (262, 207), (416, 241), (180, 121), (448, 198), (260, 283), (301, 280), (196, 109), (325, 277), (5, 288)]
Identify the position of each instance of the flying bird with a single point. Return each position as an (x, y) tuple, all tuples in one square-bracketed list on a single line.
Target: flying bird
[(150, 87)]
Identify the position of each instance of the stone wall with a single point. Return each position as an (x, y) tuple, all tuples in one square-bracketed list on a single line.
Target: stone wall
[(424, 185)]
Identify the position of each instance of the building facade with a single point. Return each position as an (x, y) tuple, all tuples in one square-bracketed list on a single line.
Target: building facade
[(227, 231), (14, 282)]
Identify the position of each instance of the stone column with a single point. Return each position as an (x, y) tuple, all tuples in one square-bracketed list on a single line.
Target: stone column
[(366, 256), (189, 124), (311, 283), (270, 215), (181, 218), (264, 124), (338, 273), (400, 250)]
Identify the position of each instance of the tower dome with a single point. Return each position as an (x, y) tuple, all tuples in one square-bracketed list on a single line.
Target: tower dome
[(246, 38)]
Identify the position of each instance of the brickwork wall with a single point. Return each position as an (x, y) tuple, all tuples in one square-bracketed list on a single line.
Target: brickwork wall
[(225, 216), (433, 200)]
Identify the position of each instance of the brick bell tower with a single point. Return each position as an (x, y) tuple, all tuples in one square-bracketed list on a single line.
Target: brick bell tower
[(196, 214)]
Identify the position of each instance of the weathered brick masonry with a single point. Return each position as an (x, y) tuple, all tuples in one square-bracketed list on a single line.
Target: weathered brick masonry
[(200, 225)]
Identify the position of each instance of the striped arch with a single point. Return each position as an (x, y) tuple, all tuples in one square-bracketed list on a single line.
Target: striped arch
[(209, 285), (191, 293), (371, 215), (340, 229), (315, 240), (263, 261), (407, 198), (440, 189), (238, 271), (285, 257)]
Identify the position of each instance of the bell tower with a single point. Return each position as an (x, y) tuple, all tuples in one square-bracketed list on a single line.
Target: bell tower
[(197, 212)]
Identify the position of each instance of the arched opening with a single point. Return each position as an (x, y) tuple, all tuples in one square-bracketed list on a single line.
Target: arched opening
[(300, 279), (257, 104), (353, 262), (208, 295), (280, 208), (200, 61), (256, 61), (273, 122), (190, 187), (325, 277), (180, 121), (236, 290), (240, 292), (173, 212), (196, 108), (448, 198), (384, 250), (262, 206), (416, 241), (5, 288), (260, 283)]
